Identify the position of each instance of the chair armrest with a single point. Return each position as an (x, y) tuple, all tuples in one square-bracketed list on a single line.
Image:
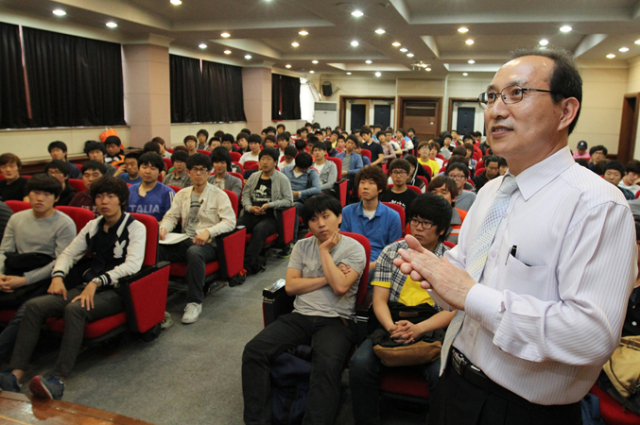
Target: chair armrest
[(230, 252), (145, 296), (275, 302), (286, 220), (363, 310)]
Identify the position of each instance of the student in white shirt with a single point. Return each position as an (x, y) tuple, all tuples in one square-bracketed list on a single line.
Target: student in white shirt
[(254, 150)]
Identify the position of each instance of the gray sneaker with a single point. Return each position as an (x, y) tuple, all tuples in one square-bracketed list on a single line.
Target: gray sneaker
[(191, 313), (167, 322)]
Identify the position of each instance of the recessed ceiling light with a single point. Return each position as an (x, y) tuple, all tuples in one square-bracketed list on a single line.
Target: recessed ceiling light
[(287, 66), (637, 41), (312, 72), (315, 62), (471, 61), (354, 43), (378, 74), (348, 73), (112, 25), (368, 61), (225, 35), (295, 44), (380, 31), (227, 52), (566, 28), (59, 12), (427, 69), (404, 50), (396, 44), (611, 56), (410, 55), (357, 13), (176, 2), (469, 41), (623, 49), (543, 42), (247, 57), (202, 46), (464, 74), (463, 30), (303, 32)]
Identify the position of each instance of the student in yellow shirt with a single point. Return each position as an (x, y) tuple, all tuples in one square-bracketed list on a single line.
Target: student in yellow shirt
[(427, 152)]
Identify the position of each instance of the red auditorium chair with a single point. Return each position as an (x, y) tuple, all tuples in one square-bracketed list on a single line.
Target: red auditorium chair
[(238, 175), (285, 219), (239, 165), (637, 194), (251, 165), (367, 153), (611, 411), (235, 156), (427, 171), (397, 208), (479, 171), (340, 186), (176, 189), (480, 164), (229, 264), (203, 152), (167, 163), (471, 182), (144, 295), (416, 189), (170, 150), (80, 216), (77, 184), (17, 206)]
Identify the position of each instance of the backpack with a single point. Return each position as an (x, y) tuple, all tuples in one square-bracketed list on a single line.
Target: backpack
[(290, 375)]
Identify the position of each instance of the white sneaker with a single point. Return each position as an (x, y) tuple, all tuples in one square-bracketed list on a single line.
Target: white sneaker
[(191, 312)]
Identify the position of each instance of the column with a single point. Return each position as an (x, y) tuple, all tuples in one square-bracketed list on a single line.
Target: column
[(256, 88)]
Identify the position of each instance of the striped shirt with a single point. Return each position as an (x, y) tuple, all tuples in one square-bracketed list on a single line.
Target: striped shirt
[(543, 322)]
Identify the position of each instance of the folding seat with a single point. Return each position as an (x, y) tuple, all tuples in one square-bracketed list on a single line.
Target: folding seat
[(611, 411), (235, 156), (203, 152), (168, 164), (416, 189), (17, 206), (285, 220), (77, 184), (479, 171), (367, 153), (251, 165)]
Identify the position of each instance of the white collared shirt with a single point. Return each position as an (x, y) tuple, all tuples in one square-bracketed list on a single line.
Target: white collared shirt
[(543, 323)]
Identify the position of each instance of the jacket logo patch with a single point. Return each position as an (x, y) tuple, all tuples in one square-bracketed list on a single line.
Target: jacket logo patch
[(119, 249)]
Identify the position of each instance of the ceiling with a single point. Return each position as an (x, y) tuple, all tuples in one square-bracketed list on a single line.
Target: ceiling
[(266, 29)]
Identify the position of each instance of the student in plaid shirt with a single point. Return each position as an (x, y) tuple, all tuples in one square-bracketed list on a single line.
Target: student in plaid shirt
[(429, 218)]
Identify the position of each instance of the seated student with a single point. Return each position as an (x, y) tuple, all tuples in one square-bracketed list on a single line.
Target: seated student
[(448, 145), (214, 142), (598, 153), (365, 159), (271, 131), (114, 156), (491, 171), (288, 158), (323, 274), (203, 136), (631, 177), (116, 241), (129, 171), (301, 145), (219, 134), (96, 152), (416, 170), (460, 173), (179, 177), (264, 191), (327, 170), (613, 172), (163, 150), (12, 188), (222, 179), (284, 140), (469, 151), (399, 194), (60, 171), (377, 154), (304, 184), (581, 152), (429, 222), (351, 161), (388, 150), (448, 189), (302, 133), (408, 141), (254, 150), (370, 217), (32, 240), (150, 196), (242, 140), (58, 150), (269, 142), (280, 128), (227, 141), (330, 149), (206, 212), (424, 157), (191, 143), (91, 171), (341, 143), (502, 165)]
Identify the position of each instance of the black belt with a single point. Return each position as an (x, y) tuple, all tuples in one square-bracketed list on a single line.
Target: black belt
[(474, 375)]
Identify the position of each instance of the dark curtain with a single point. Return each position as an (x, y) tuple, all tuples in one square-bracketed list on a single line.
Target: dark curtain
[(187, 97), (222, 88), (13, 98), (73, 81), (285, 98), (276, 98)]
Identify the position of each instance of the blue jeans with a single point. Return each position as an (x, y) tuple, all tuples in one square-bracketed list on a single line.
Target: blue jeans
[(9, 335), (364, 372)]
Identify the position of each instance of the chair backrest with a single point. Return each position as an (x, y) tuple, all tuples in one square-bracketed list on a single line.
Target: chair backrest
[(427, 170), (151, 246), (234, 200), (480, 164), (251, 165), (364, 279), (77, 184), (439, 156), (471, 182), (167, 162), (637, 194), (235, 156), (338, 163), (449, 244), (397, 208), (170, 150), (176, 189), (207, 153), (17, 206), (239, 165), (479, 171), (80, 216), (367, 153), (424, 180), (416, 189)]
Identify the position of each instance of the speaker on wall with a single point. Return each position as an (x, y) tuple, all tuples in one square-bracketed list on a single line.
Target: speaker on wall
[(327, 90)]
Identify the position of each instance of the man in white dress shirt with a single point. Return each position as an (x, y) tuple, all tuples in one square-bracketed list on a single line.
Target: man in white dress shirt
[(546, 308)]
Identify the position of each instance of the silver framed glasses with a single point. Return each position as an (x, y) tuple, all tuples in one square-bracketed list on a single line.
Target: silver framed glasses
[(510, 95)]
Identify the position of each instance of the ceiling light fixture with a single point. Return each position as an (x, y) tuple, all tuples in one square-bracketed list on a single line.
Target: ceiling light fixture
[(368, 61), (464, 74), (287, 66), (378, 74), (623, 49), (247, 57), (469, 42), (315, 62), (471, 61), (354, 43), (380, 31), (463, 30), (396, 44), (312, 72), (357, 13), (611, 56), (543, 42), (225, 35), (637, 41), (295, 44), (59, 12), (410, 55), (565, 28), (227, 52), (112, 25), (428, 69), (176, 2), (303, 32), (202, 46), (348, 73), (404, 50)]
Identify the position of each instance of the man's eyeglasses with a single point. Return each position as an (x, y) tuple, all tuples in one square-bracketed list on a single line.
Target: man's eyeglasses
[(509, 95), (458, 176), (199, 170), (426, 225), (399, 173)]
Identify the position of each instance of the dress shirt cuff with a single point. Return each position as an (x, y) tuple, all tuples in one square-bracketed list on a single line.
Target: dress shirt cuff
[(485, 305)]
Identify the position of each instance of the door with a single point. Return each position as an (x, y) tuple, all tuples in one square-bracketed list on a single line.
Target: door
[(423, 116), (628, 128), (466, 120), (382, 115), (358, 114)]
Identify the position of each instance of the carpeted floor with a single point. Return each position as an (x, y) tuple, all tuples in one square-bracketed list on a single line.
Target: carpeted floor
[(191, 373)]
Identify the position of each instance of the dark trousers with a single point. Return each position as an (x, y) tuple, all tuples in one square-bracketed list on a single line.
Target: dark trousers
[(37, 310), (459, 402), (330, 340), (364, 375), (296, 228), (260, 227), (196, 257)]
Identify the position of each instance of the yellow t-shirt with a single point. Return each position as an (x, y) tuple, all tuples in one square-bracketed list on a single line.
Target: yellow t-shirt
[(431, 163), (411, 294)]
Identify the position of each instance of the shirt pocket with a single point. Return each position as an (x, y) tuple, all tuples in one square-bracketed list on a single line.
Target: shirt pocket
[(536, 281)]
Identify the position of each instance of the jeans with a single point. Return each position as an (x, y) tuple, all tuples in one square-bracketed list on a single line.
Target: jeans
[(298, 205), (9, 335), (38, 310), (260, 227), (196, 257), (364, 372), (330, 340)]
